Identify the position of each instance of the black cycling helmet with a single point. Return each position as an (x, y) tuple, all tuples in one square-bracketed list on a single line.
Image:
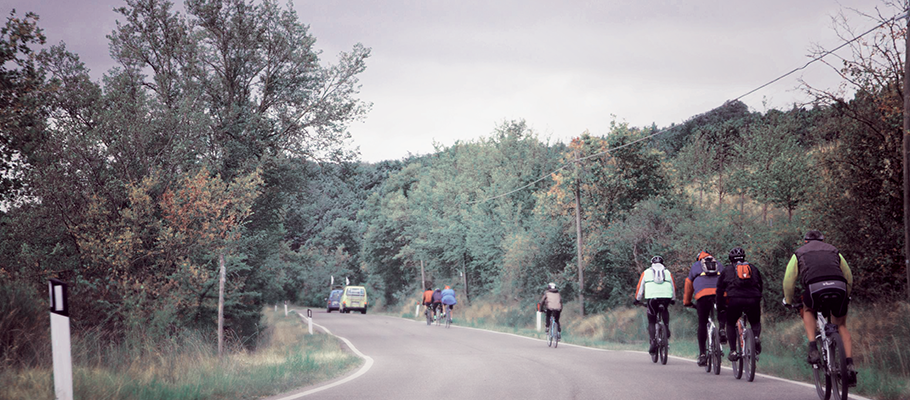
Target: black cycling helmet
[(737, 254), (814, 235), (657, 260)]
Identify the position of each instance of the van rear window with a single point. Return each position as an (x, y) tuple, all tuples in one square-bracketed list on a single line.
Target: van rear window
[(355, 292)]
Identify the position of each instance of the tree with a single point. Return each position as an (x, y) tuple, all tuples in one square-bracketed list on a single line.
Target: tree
[(21, 87)]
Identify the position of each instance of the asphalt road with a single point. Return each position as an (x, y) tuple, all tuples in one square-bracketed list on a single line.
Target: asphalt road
[(406, 359)]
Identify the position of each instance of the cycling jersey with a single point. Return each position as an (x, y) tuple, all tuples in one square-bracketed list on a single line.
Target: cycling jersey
[(815, 261), (428, 297), (448, 297), (551, 300)]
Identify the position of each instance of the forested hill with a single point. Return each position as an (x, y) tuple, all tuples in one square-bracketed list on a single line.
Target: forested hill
[(501, 210), (221, 134)]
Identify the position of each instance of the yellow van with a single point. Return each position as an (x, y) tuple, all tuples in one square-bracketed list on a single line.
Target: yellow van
[(354, 298)]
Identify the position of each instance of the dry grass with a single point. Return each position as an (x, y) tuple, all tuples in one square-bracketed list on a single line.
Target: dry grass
[(286, 358)]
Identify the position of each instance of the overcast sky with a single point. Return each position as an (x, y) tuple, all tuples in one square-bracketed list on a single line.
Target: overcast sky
[(444, 71)]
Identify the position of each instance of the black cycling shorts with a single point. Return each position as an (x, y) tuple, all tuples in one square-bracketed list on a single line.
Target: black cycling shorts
[(827, 297)]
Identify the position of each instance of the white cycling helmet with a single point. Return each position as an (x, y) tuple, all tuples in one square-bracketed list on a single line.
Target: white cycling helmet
[(551, 285)]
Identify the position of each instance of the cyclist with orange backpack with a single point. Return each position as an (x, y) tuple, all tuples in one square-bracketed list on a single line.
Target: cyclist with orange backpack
[(701, 285), (739, 290)]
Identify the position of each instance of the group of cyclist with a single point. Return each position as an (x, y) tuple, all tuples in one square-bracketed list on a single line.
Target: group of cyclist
[(435, 300), (737, 290)]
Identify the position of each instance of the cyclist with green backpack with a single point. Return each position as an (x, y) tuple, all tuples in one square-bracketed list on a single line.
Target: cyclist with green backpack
[(739, 290)]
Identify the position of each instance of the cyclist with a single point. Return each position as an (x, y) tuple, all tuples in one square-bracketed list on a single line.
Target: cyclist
[(701, 283), (821, 270), (656, 285), (428, 300), (552, 302), (448, 298), (739, 290), (437, 302)]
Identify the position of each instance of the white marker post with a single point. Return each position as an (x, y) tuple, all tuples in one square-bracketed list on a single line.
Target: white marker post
[(285, 308), (539, 318), (60, 340), (417, 311), (309, 318)]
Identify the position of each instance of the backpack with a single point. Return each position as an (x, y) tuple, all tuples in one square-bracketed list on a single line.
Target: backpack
[(744, 271), (709, 266), (659, 275)]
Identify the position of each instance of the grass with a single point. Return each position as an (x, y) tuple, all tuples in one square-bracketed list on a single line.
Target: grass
[(286, 358), (881, 338)]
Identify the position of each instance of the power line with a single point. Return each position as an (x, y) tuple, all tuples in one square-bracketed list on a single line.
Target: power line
[(823, 55)]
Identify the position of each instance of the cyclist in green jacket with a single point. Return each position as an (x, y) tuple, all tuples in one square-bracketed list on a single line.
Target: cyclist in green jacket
[(656, 285)]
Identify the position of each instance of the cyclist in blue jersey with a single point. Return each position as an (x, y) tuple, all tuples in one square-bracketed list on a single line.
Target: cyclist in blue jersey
[(448, 299)]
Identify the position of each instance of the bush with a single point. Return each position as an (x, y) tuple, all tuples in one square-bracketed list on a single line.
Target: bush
[(24, 328)]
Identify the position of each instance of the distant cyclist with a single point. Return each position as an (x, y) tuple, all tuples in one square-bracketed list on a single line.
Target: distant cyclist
[(552, 302), (702, 284), (428, 300), (822, 271), (448, 299), (437, 301), (656, 285), (739, 290)]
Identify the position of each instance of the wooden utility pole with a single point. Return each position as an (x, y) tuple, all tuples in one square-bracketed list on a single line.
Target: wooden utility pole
[(907, 149), (464, 275), (423, 276), (578, 239), (221, 304)]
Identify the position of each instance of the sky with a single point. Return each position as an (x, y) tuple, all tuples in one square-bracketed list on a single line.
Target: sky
[(444, 71)]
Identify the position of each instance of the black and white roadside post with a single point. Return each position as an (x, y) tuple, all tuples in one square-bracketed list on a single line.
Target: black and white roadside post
[(60, 340), (309, 319)]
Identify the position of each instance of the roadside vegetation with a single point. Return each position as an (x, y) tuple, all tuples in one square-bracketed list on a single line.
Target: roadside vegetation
[(881, 345), (186, 367)]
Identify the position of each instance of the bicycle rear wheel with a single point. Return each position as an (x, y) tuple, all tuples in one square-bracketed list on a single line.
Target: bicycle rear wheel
[(555, 326), (718, 353), (710, 349), (448, 318), (664, 344), (748, 357), (840, 387), (429, 317), (821, 375), (550, 330), (738, 364)]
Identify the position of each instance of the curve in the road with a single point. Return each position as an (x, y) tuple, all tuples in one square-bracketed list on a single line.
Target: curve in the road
[(366, 367)]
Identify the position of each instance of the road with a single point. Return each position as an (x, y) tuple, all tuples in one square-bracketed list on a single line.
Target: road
[(409, 360)]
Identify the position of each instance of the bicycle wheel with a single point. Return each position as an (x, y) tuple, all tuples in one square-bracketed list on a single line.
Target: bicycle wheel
[(718, 351), (709, 353), (448, 318), (738, 364), (429, 317), (839, 367), (664, 345), (822, 379), (748, 357), (550, 335)]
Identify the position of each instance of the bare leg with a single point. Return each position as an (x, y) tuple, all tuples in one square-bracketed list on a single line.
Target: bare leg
[(845, 334)]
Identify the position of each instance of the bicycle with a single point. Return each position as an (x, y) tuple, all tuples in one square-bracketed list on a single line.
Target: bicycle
[(438, 316), (553, 333), (745, 339), (448, 316), (713, 350), (660, 335), (429, 315), (830, 372)]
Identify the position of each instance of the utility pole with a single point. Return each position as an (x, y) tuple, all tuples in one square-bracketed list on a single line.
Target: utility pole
[(907, 148), (221, 278), (579, 242), (423, 276)]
